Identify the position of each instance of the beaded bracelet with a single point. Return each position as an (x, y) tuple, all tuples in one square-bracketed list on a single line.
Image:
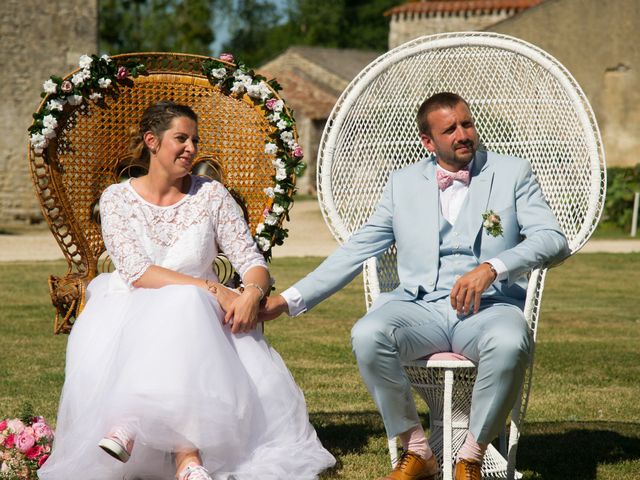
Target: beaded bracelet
[(255, 285)]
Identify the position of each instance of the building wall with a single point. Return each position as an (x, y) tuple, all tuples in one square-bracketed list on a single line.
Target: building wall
[(597, 40), (407, 26), (37, 39)]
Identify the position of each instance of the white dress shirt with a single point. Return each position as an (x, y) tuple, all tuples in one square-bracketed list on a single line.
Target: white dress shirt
[(451, 200)]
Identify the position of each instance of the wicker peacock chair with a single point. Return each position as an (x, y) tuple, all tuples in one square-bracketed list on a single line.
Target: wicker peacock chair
[(248, 143), (526, 104)]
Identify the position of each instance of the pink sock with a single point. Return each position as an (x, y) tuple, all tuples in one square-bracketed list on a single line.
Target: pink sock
[(415, 441), (472, 450)]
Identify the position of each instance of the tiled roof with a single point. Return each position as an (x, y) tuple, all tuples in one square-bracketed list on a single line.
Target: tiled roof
[(312, 78), (304, 95), (454, 6)]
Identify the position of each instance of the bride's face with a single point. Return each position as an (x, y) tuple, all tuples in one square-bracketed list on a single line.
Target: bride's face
[(176, 149)]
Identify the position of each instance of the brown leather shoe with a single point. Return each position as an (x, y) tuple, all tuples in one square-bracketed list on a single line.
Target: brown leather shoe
[(411, 466), (467, 470)]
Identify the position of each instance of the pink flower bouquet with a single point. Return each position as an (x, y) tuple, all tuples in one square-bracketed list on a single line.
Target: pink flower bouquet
[(25, 444)]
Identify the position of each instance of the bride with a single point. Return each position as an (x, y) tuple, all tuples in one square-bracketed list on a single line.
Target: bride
[(157, 376)]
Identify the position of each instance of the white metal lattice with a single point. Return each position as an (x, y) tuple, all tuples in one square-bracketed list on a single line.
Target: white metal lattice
[(525, 103)]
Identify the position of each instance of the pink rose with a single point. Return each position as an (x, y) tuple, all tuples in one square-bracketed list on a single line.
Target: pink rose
[(34, 452), (42, 459), (227, 57), (494, 218), (42, 430), (271, 103), (297, 152), (25, 440), (122, 73), (10, 441), (66, 86), (3, 425)]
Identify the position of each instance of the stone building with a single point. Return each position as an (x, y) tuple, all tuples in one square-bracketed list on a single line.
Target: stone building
[(426, 17), (597, 41), (37, 39), (312, 79), (594, 39)]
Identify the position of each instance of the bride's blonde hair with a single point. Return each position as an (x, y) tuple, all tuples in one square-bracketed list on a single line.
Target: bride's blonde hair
[(156, 119)]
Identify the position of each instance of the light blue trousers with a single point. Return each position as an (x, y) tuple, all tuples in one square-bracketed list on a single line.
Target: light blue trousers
[(496, 339)]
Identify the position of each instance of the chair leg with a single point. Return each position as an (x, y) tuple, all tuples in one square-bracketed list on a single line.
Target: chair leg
[(447, 426), (392, 444), (514, 437)]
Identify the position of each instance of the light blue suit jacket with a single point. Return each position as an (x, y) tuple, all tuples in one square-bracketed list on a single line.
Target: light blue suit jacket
[(408, 214)]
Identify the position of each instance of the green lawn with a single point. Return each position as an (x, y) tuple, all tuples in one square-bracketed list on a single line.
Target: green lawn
[(584, 416)]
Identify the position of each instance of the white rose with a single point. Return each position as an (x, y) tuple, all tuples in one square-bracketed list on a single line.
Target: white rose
[(265, 91), (77, 79), (274, 117), (104, 82), (287, 137), (278, 163), (48, 132), (271, 219), (55, 104), (270, 148), (278, 106), (238, 87), (49, 121), (95, 96), (264, 244), (281, 174), (282, 125), (269, 192), (38, 141), (253, 91), (85, 61), (218, 72), (279, 209), (260, 228), (486, 224), (74, 99), (106, 58), (50, 86), (279, 189)]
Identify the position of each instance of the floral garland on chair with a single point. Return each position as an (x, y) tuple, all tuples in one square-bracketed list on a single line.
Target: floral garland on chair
[(101, 76), (234, 78)]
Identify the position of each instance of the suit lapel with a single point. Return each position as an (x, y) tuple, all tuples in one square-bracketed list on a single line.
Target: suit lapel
[(477, 197), (432, 208)]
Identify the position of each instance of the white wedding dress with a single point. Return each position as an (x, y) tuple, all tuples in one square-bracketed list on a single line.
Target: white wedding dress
[(161, 363)]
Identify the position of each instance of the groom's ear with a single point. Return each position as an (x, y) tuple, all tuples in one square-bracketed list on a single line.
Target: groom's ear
[(427, 143)]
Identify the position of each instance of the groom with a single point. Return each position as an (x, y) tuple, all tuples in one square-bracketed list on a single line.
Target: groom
[(469, 226)]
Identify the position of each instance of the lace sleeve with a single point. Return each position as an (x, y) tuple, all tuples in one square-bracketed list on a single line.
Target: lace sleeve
[(234, 237), (120, 238)]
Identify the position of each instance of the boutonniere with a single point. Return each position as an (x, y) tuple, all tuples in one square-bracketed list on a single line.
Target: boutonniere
[(491, 223)]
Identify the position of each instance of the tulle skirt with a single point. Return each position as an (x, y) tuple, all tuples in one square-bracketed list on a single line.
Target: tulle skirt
[(160, 363)]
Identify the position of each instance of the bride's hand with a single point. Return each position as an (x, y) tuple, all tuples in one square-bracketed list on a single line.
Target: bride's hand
[(224, 295), (243, 312)]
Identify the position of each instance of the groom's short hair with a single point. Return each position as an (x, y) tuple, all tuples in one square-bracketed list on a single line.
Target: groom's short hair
[(435, 102)]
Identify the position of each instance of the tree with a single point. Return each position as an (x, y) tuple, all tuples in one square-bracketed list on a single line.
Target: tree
[(157, 25), (260, 32)]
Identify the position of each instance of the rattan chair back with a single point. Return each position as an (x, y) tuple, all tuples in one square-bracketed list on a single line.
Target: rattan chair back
[(91, 151)]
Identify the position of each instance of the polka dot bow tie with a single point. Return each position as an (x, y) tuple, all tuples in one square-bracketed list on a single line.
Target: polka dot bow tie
[(445, 179)]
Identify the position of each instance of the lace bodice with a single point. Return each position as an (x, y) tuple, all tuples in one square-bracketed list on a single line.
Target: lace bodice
[(184, 237)]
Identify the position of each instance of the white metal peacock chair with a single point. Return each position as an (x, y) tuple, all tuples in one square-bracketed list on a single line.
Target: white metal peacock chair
[(525, 104)]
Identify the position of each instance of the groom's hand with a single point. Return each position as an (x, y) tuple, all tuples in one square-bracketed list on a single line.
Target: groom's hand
[(467, 291), (273, 307)]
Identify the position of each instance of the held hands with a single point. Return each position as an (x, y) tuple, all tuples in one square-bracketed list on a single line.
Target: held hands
[(241, 310), (467, 291), (272, 308)]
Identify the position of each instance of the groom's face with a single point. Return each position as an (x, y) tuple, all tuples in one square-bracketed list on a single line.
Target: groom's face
[(453, 136)]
